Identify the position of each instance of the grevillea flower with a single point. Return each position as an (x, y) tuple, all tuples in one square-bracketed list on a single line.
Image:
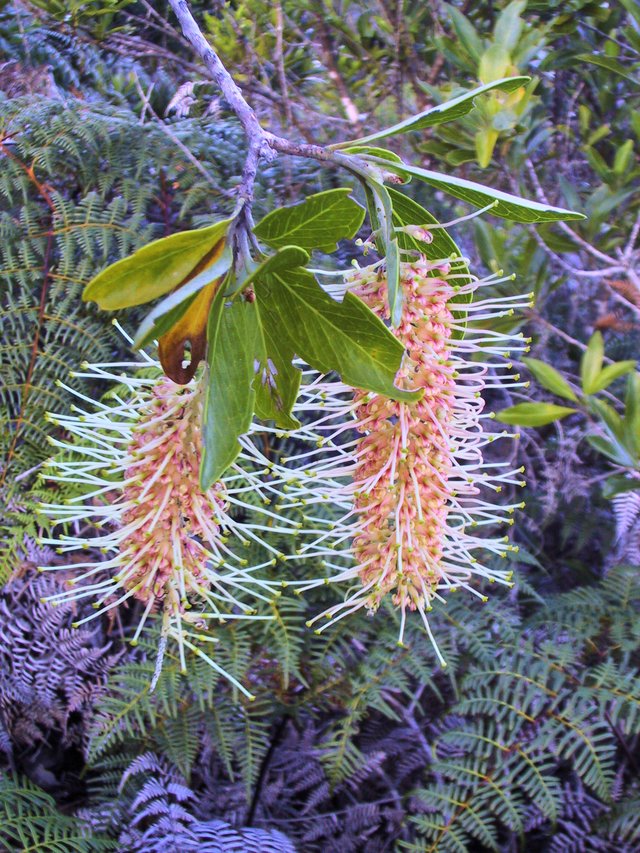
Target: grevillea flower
[(167, 544), (412, 482)]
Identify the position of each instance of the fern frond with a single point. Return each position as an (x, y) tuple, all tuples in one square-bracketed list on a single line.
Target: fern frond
[(29, 820)]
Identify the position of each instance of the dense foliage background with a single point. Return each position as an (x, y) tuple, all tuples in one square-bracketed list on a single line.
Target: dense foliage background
[(110, 135)]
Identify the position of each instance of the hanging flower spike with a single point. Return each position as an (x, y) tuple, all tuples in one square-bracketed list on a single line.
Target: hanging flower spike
[(413, 483), (166, 542)]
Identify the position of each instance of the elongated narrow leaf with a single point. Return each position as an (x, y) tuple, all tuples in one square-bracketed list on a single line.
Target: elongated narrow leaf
[(610, 64), (619, 484), (233, 336), (387, 244), (372, 151), (611, 449), (550, 378), (173, 307), (533, 414), (591, 363), (610, 373), (318, 222), (393, 281), (156, 268), (506, 205), (448, 111), (406, 211), (342, 336), (611, 419)]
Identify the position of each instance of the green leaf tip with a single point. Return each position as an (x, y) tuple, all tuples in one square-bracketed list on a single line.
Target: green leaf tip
[(441, 113)]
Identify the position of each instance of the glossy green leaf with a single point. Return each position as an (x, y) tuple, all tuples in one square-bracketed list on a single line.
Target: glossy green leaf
[(533, 414), (619, 484), (156, 268), (318, 222), (406, 211), (508, 28), (373, 151), (277, 381), (381, 215), (393, 281), (632, 411), (343, 336), (550, 379), (608, 415), (465, 31), (448, 111), (610, 373), (173, 307), (233, 336), (591, 363), (506, 205), (493, 64), (611, 449), (608, 63)]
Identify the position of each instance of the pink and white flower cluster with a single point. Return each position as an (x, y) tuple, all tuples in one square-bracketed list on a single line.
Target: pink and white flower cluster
[(167, 544), (395, 494), (413, 483)]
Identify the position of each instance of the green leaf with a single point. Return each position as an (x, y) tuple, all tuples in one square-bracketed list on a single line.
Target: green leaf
[(466, 32), (550, 378), (406, 211), (591, 363), (373, 151), (609, 416), (632, 410), (343, 336), (381, 215), (611, 372), (611, 449), (533, 414), (632, 7), (318, 222), (509, 25), (174, 306), (393, 281), (623, 158), (506, 206), (485, 142), (156, 268), (618, 484), (233, 339), (448, 111), (607, 62), (493, 64), (277, 381)]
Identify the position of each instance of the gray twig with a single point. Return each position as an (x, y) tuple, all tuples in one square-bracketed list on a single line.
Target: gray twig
[(261, 143)]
